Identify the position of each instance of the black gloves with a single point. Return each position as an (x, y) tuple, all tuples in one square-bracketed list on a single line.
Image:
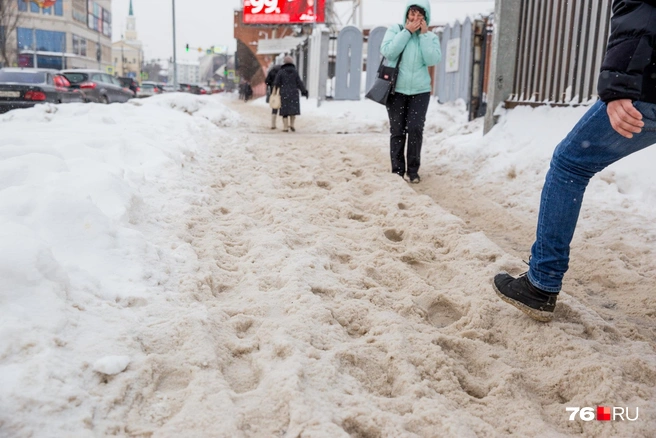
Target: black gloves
[(306, 94)]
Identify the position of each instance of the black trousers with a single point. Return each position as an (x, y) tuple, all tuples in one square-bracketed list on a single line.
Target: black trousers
[(407, 115)]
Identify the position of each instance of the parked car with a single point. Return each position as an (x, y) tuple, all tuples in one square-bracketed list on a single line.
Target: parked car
[(26, 87), (168, 88), (130, 83), (148, 89), (196, 89), (185, 88), (98, 86)]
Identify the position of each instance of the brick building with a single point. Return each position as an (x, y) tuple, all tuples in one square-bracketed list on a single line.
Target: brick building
[(252, 66)]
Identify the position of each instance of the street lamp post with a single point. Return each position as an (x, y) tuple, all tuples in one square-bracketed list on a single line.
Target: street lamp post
[(175, 59)]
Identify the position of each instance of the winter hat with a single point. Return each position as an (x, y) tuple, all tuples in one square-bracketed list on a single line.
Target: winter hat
[(288, 60), (419, 9)]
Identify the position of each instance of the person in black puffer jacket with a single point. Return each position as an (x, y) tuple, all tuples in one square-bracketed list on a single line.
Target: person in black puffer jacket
[(270, 79), (622, 122), (289, 83)]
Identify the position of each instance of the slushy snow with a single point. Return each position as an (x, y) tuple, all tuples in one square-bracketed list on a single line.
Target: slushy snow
[(173, 267)]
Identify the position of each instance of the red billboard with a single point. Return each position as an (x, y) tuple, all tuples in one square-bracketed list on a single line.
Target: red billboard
[(284, 11)]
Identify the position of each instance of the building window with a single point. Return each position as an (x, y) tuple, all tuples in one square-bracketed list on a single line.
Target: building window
[(22, 5), (99, 19), (47, 11), (79, 45), (24, 38), (34, 7), (79, 10), (59, 8), (46, 40)]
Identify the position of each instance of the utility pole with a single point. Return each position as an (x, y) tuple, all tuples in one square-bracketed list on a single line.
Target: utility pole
[(35, 61), (361, 10), (175, 58), (63, 51), (99, 53), (315, 38)]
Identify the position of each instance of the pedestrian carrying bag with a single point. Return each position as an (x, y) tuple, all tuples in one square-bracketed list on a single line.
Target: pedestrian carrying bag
[(274, 99), (385, 82)]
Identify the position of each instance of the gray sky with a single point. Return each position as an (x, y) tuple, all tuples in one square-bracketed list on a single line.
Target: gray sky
[(204, 23)]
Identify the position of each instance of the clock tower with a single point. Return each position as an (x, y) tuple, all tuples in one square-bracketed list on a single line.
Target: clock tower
[(131, 25)]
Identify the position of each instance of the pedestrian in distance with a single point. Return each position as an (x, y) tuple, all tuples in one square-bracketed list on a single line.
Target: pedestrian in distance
[(621, 122), (248, 91), (289, 83), (408, 104), (270, 79), (242, 89)]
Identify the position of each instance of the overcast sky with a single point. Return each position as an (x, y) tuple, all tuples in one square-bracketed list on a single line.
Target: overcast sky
[(203, 23)]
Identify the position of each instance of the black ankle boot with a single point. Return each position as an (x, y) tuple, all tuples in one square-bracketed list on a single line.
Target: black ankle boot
[(519, 292)]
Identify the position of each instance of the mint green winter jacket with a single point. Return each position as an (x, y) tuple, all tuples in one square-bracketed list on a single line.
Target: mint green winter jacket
[(419, 53)]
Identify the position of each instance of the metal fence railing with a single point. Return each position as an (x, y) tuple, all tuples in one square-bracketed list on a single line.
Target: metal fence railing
[(560, 49)]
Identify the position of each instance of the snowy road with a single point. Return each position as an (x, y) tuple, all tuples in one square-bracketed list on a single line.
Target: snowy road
[(297, 288)]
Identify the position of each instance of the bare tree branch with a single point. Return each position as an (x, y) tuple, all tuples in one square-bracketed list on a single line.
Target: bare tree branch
[(9, 19)]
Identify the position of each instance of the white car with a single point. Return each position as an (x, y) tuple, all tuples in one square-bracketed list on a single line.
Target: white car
[(148, 89)]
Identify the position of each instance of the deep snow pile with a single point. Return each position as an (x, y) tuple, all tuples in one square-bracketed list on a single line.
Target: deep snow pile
[(72, 181)]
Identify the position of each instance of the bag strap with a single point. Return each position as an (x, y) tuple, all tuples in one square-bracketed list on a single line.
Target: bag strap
[(398, 63)]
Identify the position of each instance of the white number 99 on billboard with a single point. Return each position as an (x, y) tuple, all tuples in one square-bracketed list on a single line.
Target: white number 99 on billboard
[(269, 6)]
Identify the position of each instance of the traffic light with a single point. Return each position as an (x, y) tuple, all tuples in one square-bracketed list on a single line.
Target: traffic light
[(187, 47)]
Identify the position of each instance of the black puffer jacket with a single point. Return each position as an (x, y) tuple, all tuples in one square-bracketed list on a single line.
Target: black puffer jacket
[(290, 84), (629, 68), (270, 78)]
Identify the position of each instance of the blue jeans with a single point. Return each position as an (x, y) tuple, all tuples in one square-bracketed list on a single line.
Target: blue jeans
[(591, 146)]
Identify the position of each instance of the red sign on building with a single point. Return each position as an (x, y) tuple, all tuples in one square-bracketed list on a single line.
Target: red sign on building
[(284, 11), (45, 3)]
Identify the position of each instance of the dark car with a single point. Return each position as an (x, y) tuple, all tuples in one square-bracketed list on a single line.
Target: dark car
[(130, 83), (98, 86), (26, 87), (196, 89)]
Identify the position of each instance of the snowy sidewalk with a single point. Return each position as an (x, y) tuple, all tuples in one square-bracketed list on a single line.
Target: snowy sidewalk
[(269, 284)]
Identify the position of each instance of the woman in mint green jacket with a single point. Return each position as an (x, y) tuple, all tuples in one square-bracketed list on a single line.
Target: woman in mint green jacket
[(407, 106)]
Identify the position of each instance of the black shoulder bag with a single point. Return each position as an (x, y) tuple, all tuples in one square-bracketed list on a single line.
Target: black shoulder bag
[(385, 82)]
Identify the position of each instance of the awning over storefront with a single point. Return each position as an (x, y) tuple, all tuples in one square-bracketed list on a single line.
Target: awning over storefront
[(277, 46)]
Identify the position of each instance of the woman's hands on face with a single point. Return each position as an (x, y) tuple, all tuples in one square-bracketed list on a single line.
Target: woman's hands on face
[(413, 26), (416, 22)]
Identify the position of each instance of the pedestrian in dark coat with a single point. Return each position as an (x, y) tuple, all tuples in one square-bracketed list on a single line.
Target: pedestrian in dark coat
[(289, 83), (270, 79), (248, 94), (621, 122)]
